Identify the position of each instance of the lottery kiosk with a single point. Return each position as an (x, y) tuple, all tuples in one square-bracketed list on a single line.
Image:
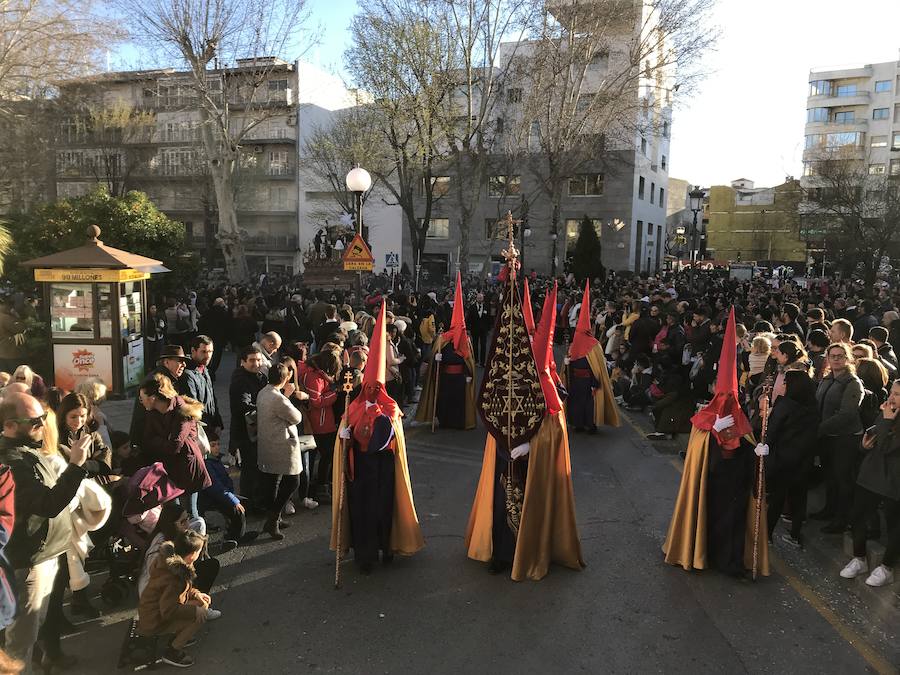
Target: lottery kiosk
[(96, 301)]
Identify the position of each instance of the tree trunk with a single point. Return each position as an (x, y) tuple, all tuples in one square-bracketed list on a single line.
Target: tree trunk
[(222, 160), (554, 229)]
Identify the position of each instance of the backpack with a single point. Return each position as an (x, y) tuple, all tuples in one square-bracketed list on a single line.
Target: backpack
[(869, 408)]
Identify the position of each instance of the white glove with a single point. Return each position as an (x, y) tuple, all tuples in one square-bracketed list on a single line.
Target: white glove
[(520, 450), (468, 379), (761, 449), (438, 357), (345, 433), (722, 423), (566, 361)]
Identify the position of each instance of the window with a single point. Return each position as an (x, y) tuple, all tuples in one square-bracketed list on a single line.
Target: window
[(72, 311), (815, 141), (664, 163), (881, 114), (586, 185), (498, 127), (882, 85), (844, 117), (809, 169), (846, 90), (599, 61), (895, 143), (895, 167), (494, 229), (843, 139), (641, 184), (502, 186), (438, 228), (573, 228), (643, 146), (879, 141), (876, 169), (441, 186), (665, 130), (817, 115), (652, 192), (278, 85), (820, 88), (649, 229), (662, 197), (514, 95), (278, 163)]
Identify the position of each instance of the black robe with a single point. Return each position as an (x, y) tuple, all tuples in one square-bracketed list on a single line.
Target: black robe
[(502, 536), (580, 406), (451, 403), (728, 495), (371, 494)]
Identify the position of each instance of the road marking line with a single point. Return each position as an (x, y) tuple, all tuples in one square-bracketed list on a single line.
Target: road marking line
[(854, 639)]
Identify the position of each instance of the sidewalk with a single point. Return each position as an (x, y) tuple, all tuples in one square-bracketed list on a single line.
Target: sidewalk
[(873, 614)]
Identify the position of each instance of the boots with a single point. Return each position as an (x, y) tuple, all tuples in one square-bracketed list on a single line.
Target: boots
[(81, 605), (272, 527)]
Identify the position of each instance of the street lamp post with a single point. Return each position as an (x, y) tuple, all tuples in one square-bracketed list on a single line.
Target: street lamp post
[(696, 199), (524, 231), (358, 182)]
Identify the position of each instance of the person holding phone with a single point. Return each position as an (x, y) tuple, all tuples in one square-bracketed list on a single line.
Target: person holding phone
[(878, 481)]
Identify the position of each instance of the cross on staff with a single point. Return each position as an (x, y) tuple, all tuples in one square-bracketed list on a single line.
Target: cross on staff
[(512, 252), (348, 382)]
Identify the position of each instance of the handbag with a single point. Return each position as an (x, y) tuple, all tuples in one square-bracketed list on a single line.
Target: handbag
[(203, 439)]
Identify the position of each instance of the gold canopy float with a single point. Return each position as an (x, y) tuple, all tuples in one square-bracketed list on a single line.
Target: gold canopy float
[(96, 300)]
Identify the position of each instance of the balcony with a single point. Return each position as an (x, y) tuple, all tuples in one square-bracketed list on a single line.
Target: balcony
[(857, 124), (841, 73), (833, 100), (286, 243)]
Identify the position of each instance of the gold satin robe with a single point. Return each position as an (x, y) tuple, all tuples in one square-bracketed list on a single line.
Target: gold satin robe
[(686, 540), (406, 535), (547, 532)]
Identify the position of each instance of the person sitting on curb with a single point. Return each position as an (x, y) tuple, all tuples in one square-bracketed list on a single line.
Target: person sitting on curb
[(170, 604)]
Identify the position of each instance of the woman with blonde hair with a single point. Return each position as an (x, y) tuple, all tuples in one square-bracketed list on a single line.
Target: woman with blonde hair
[(32, 380), (172, 436)]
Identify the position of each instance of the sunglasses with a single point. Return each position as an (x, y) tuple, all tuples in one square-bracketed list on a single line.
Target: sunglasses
[(33, 421)]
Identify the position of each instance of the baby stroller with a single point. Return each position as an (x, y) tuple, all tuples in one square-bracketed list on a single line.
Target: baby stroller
[(137, 503)]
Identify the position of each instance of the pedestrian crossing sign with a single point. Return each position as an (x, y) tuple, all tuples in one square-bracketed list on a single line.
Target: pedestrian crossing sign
[(357, 256)]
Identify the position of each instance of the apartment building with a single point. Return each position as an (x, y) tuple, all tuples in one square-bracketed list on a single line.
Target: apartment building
[(748, 223), (625, 193), (140, 130), (855, 111)]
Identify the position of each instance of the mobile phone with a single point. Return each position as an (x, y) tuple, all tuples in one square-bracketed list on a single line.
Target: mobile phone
[(871, 430)]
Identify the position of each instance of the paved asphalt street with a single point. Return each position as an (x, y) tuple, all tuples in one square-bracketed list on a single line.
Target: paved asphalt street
[(439, 612)]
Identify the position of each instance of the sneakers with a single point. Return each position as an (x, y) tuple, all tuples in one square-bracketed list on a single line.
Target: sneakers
[(881, 576), (289, 509), (656, 436), (310, 503), (854, 568), (177, 658), (213, 614)]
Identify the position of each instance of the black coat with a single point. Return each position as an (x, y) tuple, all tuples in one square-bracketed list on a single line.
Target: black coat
[(43, 525), (792, 432), (242, 392)]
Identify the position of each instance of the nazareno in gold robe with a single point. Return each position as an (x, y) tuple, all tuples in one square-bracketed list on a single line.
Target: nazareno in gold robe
[(547, 532), (606, 412), (406, 535), (686, 540), (425, 409)]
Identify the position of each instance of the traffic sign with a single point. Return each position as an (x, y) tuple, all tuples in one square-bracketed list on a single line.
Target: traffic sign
[(358, 257), (392, 259)]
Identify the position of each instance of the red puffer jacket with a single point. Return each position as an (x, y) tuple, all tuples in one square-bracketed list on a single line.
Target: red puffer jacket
[(321, 400)]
